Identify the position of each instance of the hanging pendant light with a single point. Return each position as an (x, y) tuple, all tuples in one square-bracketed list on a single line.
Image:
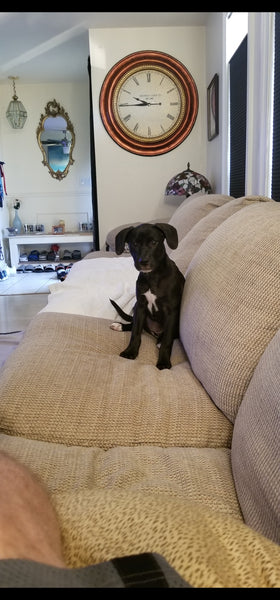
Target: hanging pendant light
[(16, 113)]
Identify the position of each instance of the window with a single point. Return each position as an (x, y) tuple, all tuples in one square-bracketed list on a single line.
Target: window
[(238, 110)]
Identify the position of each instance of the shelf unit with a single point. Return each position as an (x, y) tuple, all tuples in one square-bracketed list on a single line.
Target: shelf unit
[(16, 242)]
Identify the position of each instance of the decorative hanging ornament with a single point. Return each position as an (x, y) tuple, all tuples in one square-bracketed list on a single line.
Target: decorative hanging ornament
[(16, 113)]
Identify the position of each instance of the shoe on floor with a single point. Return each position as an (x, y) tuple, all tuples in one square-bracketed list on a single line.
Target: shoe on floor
[(68, 267), (49, 268), (61, 273), (38, 269), (29, 269), (59, 266)]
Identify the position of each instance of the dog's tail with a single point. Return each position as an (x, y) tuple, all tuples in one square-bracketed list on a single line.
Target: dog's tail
[(122, 314)]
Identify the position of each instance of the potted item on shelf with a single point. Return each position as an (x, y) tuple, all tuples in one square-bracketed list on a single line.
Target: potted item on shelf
[(58, 229), (17, 224)]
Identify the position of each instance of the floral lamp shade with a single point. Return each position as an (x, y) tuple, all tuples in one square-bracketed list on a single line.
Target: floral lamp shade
[(187, 183)]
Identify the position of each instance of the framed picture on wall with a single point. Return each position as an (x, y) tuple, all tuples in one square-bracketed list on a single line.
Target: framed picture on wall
[(213, 108)]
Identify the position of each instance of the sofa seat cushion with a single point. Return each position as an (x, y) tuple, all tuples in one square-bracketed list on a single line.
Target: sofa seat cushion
[(178, 502), (66, 383), (207, 549), (199, 474), (230, 307), (256, 446)]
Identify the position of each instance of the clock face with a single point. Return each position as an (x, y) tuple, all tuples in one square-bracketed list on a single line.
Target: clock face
[(148, 103)]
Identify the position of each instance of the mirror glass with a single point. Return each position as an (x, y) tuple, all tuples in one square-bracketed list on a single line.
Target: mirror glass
[(56, 139)]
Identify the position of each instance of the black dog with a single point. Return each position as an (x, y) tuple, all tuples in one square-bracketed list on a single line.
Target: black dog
[(159, 289)]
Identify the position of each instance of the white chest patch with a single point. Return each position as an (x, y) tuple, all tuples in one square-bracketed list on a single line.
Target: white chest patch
[(151, 299)]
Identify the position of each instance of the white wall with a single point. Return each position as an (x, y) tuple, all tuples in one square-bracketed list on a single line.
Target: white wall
[(214, 64), (131, 187), (43, 198)]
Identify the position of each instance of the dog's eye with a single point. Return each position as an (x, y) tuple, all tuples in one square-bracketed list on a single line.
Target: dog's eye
[(153, 243)]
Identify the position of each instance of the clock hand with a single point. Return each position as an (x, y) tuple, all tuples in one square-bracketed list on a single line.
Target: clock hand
[(147, 103), (143, 102), (126, 104)]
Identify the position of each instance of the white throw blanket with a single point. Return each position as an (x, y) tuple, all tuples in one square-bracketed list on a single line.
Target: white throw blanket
[(89, 285)]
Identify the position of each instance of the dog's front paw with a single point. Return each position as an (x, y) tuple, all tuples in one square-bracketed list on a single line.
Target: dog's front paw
[(116, 326), (164, 365), (131, 354)]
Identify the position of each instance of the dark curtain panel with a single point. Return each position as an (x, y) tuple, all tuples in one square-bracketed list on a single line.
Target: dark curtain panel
[(93, 170), (275, 184), (238, 107)]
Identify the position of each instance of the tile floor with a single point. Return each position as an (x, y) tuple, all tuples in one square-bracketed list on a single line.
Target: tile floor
[(27, 283), (17, 309), (21, 297)]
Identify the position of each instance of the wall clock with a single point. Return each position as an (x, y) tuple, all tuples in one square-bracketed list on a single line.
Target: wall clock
[(148, 103)]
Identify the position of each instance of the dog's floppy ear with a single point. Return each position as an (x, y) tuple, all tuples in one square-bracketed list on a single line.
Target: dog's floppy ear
[(170, 234), (121, 238)]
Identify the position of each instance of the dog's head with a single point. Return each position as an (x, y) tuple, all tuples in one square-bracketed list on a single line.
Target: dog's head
[(146, 243)]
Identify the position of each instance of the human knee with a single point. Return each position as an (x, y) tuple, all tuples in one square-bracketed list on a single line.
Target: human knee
[(28, 524)]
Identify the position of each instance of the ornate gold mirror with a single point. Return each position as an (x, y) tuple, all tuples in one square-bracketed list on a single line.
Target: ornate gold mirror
[(56, 139)]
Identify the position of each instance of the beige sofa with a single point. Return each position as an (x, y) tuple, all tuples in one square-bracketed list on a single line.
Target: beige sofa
[(183, 462)]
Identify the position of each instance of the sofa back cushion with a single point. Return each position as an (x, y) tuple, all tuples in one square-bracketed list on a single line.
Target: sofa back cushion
[(194, 208), (255, 446), (230, 307), (189, 244)]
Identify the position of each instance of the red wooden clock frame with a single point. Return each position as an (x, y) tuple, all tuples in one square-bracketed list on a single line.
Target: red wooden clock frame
[(149, 58)]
